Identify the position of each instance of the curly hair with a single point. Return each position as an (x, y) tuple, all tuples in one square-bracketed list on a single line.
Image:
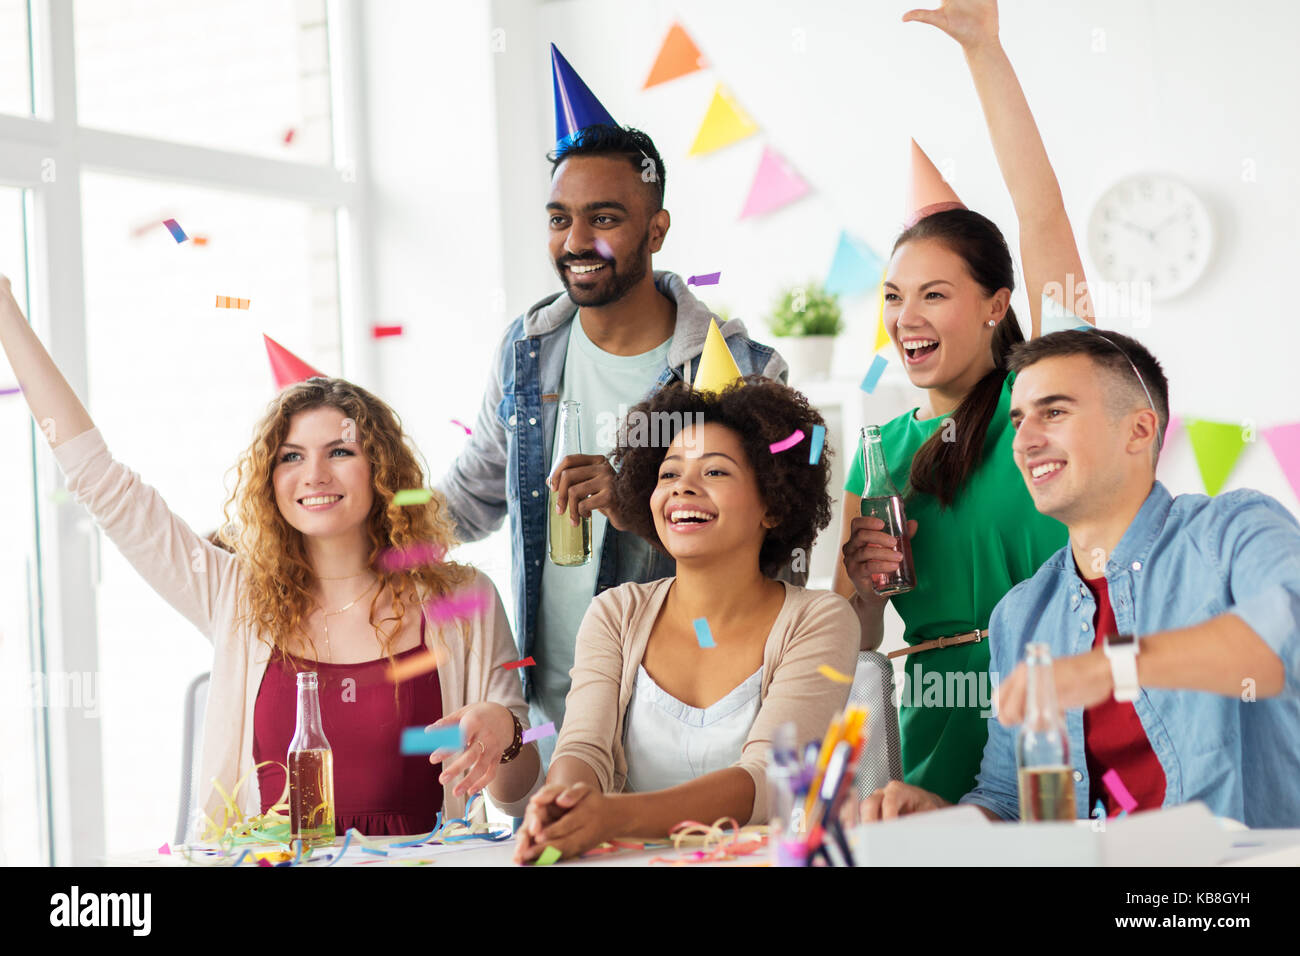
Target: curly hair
[(276, 578), (760, 413)]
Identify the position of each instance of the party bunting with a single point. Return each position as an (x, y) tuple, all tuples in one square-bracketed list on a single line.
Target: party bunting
[(717, 368), (678, 56), (775, 185), (1285, 442), (855, 267), (286, 367), (1171, 429), (1217, 446), (724, 123)]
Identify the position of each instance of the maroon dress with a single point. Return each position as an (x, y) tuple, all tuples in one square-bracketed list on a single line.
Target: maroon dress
[(376, 789)]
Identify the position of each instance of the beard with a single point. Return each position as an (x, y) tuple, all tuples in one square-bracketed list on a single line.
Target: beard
[(618, 279)]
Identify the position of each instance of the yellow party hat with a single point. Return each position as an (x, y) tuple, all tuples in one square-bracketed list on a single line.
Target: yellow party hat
[(717, 368)]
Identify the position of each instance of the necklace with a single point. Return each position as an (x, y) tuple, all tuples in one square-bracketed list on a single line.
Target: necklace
[(348, 577), (325, 615)]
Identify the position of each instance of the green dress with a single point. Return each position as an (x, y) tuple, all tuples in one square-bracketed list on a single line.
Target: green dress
[(966, 557)]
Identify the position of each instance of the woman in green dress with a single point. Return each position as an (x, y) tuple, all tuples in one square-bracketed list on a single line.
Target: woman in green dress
[(974, 530)]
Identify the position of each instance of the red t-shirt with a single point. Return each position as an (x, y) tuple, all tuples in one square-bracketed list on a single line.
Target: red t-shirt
[(1113, 738)]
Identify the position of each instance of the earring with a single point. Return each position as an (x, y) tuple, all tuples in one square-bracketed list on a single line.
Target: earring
[(992, 322)]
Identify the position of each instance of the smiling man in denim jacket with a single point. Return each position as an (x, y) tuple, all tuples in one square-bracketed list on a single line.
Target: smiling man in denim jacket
[(635, 330), (1173, 623)]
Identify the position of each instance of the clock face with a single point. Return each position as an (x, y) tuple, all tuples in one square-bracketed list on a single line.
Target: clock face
[(1150, 229)]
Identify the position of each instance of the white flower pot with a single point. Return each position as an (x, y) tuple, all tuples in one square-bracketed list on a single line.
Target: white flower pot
[(809, 356)]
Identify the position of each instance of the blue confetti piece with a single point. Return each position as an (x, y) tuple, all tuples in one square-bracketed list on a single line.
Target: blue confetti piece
[(702, 632), (873, 374), (174, 228), (818, 439), (417, 740)]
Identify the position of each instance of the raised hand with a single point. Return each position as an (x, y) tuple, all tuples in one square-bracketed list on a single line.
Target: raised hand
[(971, 23)]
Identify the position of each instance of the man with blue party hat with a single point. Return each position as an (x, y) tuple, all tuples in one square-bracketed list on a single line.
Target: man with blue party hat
[(617, 332)]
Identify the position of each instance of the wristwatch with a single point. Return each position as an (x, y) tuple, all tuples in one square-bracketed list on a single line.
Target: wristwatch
[(1122, 650)]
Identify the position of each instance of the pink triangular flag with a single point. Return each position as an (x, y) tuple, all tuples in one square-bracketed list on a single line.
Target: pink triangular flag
[(1285, 442), (165, 850), (1171, 429), (775, 185)]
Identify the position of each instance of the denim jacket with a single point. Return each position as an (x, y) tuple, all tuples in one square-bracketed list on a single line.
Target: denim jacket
[(505, 463), (1181, 562)]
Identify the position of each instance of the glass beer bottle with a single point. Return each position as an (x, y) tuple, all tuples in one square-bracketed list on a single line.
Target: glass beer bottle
[(311, 772), (569, 546), (1042, 749), (880, 499)]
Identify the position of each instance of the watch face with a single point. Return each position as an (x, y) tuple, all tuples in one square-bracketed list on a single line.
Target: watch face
[(1150, 229)]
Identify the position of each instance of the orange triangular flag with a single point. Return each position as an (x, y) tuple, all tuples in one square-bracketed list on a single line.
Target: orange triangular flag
[(286, 367), (928, 192), (677, 56)]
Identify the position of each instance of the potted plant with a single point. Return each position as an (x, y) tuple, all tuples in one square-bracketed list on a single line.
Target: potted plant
[(807, 318)]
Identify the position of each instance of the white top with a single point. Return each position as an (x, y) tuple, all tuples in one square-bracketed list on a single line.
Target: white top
[(668, 742)]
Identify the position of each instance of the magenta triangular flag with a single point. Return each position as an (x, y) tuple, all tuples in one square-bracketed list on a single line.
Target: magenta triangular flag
[(775, 185), (1285, 442), (1171, 429)]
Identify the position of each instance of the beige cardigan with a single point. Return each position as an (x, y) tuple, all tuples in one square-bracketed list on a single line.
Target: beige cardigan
[(165, 551), (813, 628)]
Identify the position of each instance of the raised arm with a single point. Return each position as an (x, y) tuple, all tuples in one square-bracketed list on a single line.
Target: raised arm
[(1048, 253)]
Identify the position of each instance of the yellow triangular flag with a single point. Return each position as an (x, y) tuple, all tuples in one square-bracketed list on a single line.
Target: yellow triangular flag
[(882, 334), (717, 368), (724, 124)]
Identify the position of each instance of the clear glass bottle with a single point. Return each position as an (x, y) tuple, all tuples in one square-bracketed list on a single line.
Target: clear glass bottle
[(311, 771), (1042, 747), (784, 803), (880, 499), (569, 546)]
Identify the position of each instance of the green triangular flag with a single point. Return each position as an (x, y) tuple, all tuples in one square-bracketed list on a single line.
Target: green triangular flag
[(1217, 446)]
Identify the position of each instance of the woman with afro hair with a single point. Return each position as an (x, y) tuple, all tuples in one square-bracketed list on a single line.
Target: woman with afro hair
[(679, 683)]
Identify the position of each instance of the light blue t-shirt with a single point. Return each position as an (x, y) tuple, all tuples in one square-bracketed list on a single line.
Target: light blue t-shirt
[(606, 385)]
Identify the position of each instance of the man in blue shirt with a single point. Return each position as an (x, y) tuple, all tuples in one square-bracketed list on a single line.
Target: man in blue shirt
[(1204, 703)]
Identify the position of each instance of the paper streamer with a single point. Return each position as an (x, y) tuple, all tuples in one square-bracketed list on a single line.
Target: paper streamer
[(526, 662), (827, 671), (779, 446), (710, 278), (539, 733), (1117, 790), (412, 496), (702, 632), (462, 425), (174, 228), (715, 844), (417, 555), (417, 740), (549, 856), (818, 440), (467, 605), (873, 374), (229, 302), (385, 331)]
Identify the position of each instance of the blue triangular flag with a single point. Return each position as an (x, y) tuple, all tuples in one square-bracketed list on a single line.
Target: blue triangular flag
[(575, 105), (855, 268)]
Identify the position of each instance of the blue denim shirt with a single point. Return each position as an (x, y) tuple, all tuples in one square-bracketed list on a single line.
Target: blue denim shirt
[(504, 465), (1181, 562)]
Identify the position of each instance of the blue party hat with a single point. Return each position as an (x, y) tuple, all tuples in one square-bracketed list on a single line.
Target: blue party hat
[(575, 105)]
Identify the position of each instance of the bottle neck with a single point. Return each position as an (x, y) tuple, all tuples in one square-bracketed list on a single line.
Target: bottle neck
[(876, 482), (1040, 692), (308, 731), (568, 437)]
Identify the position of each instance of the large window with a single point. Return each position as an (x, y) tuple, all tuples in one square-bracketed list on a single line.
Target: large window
[(231, 119)]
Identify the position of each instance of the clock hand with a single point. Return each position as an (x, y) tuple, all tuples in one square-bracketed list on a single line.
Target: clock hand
[(1136, 228), (1160, 228)]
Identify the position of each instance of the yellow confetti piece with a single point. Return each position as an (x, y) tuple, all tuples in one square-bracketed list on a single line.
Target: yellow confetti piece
[(827, 671), (412, 496), (549, 856), (229, 302)]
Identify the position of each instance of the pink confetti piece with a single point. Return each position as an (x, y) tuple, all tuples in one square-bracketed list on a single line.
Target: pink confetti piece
[(462, 425), (603, 249), (385, 331), (539, 733), (164, 850), (288, 135), (1117, 790), (418, 555), (710, 278), (780, 446), (263, 861), (467, 605)]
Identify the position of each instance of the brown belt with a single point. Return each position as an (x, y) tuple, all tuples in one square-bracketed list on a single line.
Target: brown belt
[(970, 637)]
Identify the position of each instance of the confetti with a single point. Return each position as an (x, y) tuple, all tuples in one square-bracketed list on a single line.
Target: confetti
[(174, 228), (199, 240), (602, 249), (827, 671), (538, 733), (818, 439), (468, 605), (1117, 790), (384, 331), (418, 555), (709, 279), (264, 862), (549, 856), (229, 302), (702, 632), (873, 374), (288, 136), (412, 496), (11, 391), (417, 740), (462, 425), (526, 662), (414, 666), (784, 443), (164, 850)]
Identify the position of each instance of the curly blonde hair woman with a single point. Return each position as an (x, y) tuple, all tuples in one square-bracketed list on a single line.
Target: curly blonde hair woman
[(306, 581)]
